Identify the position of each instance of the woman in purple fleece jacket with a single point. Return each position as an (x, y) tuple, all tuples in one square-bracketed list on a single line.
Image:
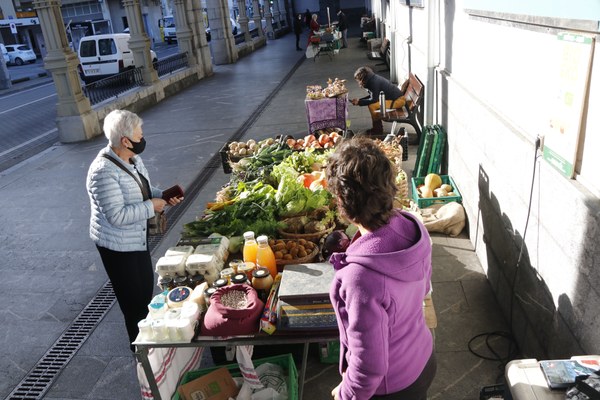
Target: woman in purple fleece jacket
[(380, 282)]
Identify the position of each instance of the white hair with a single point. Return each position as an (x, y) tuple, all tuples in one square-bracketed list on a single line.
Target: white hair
[(120, 123)]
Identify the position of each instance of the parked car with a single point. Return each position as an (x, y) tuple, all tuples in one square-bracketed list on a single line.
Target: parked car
[(19, 54), (235, 29), (4, 53), (101, 56)]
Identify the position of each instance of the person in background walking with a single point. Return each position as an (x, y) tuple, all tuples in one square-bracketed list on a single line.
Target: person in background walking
[(119, 215), (298, 30), (307, 18), (343, 27)]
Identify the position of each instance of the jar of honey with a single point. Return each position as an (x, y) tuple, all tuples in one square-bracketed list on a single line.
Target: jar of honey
[(247, 268), (262, 282)]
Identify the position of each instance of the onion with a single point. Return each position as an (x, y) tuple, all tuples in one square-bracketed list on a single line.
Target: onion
[(335, 242)]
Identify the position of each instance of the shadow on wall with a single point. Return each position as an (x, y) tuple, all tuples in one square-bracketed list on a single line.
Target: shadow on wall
[(522, 293)]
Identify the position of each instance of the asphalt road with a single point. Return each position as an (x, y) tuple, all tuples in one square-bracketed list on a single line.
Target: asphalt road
[(27, 117)]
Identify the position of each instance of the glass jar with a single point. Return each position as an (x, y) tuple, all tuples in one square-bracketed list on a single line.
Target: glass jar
[(195, 280), (207, 293), (235, 264), (247, 268), (240, 278), (180, 281), (227, 273), (219, 283), (262, 282), (166, 283)]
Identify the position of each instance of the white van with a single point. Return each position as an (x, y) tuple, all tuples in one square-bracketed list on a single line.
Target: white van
[(101, 56)]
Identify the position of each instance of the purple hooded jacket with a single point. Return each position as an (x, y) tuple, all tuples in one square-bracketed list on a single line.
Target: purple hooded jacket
[(378, 290)]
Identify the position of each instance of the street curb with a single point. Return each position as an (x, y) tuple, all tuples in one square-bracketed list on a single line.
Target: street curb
[(27, 78)]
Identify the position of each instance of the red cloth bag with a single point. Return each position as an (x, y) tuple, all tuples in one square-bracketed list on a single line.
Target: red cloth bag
[(221, 320)]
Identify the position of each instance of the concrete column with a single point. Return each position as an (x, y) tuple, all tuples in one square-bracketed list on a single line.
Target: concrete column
[(268, 19), (257, 17), (196, 18), (276, 13), (185, 35), (139, 43), (5, 81), (222, 41), (75, 119), (243, 20), (288, 14)]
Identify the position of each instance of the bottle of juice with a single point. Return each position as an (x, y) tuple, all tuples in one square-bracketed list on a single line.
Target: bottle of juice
[(265, 256), (250, 247)]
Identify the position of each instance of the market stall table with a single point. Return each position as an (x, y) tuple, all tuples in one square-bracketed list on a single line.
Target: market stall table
[(279, 337), (327, 113)]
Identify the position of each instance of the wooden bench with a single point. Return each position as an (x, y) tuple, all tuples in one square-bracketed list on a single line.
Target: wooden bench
[(383, 54), (412, 112)]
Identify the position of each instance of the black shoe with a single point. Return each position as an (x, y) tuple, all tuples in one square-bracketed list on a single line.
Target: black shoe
[(298, 49), (344, 47)]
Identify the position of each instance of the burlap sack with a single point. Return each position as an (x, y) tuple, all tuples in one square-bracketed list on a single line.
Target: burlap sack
[(448, 218)]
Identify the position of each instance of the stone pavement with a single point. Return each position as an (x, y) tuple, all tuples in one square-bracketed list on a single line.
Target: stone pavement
[(51, 269)]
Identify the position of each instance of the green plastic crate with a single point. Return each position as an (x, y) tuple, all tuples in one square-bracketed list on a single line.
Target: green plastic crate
[(329, 352), (286, 361), (423, 203)]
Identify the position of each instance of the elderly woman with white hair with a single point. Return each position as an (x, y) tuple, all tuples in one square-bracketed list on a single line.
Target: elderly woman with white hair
[(119, 215)]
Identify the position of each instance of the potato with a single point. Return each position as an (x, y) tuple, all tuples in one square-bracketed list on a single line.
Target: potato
[(294, 252), (290, 245), (287, 257), (302, 253), (446, 187), (278, 255)]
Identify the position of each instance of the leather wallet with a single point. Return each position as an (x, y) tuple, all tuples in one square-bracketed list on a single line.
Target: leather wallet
[(173, 191)]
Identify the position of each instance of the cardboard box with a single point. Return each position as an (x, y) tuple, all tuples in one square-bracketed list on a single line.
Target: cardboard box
[(216, 385)]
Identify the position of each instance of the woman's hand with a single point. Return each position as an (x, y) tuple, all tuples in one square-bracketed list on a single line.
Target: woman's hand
[(158, 204), (335, 392), (173, 201), (354, 102)]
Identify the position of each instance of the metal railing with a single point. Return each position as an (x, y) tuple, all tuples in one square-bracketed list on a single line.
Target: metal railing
[(114, 85), (171, 64)]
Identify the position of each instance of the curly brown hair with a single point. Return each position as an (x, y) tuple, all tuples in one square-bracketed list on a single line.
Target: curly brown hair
[(363, 180)]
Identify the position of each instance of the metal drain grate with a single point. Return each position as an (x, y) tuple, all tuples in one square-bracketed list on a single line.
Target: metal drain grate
[(40, 378)]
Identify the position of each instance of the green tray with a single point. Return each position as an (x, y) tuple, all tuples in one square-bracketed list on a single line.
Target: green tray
[(285, 360), (423, 203)]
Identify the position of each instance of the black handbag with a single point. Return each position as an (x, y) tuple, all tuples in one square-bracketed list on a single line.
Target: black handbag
[(157, 225)]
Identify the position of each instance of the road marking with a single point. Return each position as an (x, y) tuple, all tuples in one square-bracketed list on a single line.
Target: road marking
[(26, 104), (29, 141)]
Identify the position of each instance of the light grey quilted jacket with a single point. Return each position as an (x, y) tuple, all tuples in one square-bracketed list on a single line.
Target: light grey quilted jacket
[(118, 213)]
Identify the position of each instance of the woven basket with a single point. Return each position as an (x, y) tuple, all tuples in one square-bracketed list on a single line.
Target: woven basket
[(309, 258), (308, 236)]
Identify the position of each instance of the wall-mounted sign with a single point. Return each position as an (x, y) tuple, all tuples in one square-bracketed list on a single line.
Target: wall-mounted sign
[(566, 111)]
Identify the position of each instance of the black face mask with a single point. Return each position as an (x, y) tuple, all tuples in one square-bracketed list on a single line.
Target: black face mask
[(138, 147)]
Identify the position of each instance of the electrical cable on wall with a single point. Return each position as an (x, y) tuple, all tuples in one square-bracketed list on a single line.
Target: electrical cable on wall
[(512, 351)]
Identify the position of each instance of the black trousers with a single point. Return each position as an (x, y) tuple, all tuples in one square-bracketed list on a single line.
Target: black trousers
[(297, 40), (132, 279), (418, 390)]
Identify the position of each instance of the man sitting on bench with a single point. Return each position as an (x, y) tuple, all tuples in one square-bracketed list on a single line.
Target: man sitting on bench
[(373, 83)]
